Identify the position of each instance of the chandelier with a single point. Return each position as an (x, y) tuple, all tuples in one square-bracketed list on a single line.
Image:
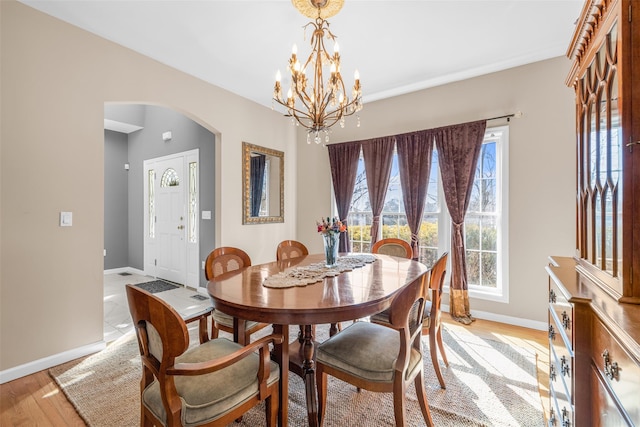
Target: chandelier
[(322, 102)]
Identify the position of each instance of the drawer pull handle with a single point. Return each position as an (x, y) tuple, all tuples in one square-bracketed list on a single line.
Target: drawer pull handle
[(566, 421), (552, 296), (610, 369), (564, 367), (566, 320), (552, 372), (552, 333)]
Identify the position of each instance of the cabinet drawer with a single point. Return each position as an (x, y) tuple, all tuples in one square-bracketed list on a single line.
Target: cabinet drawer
[(561, 311), (604, 411), (559, 375), (561, 410), (620, 373)]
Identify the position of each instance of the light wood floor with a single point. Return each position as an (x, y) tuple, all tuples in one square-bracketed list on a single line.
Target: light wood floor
[(36, 400)]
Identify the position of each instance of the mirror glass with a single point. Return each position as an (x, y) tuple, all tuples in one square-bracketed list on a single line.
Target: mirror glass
[(263, 184)]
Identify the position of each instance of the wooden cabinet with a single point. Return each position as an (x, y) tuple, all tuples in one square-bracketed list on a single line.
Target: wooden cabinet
[(594, 352), (594, 297)]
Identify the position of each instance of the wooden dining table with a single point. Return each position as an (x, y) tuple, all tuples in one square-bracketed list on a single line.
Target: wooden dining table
[(350, 295)]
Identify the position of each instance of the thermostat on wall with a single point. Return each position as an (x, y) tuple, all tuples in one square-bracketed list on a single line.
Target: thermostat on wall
[(66, 219)]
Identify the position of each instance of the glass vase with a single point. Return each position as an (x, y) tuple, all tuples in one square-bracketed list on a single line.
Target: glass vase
[(331, 244)]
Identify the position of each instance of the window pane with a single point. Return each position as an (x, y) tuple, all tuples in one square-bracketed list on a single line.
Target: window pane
[(474, 201), (489, 269), (473, 268), (428, 241), (489, 233), (472, 233), (393, 199), (359, 219), (170, 178), (193, 208), (152, 203)]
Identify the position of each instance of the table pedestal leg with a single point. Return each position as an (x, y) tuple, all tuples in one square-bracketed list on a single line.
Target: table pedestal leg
[(281, 356), (309, 376)]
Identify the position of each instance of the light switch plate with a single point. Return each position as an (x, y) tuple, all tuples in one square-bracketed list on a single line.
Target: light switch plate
[(66, 219), (206, 214)]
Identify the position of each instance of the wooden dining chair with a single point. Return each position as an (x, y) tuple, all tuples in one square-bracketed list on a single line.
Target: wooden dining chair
[(394, 247), (379, 358), (432, 324), (288, 249), (211, 384), (223, 260)]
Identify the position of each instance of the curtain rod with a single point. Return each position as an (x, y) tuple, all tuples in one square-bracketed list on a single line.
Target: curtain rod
[(517, 115)]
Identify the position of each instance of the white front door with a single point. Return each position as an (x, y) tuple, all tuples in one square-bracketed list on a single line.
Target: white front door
[(170, 220), (171, 244)]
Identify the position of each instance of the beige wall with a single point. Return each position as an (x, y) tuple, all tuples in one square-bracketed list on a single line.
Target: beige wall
[(541, 163), (55, 81)]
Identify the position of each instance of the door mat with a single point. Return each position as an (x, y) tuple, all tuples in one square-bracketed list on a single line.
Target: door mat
[(157, 286)]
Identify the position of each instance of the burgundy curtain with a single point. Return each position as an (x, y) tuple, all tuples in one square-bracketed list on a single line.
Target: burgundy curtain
[(378, 155), (343, 159), (414, 162), (458, 151)]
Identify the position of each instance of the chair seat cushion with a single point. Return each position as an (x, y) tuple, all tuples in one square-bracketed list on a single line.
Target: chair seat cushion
[(383, 316), (367, 351), (226, 320), (207, 397)]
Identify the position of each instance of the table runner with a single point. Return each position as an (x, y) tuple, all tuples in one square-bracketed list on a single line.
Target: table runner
[(307, 274)]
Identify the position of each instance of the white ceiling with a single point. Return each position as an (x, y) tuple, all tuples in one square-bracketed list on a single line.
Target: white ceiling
[(397, 46)]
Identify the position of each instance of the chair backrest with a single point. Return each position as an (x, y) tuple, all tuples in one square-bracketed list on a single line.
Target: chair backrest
[(394, 247), (436, 282), (162, 333), (288, 249), (224, 259), (405, 313)]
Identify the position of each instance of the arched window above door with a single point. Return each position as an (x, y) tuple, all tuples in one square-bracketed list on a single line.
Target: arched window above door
[(170, 178)]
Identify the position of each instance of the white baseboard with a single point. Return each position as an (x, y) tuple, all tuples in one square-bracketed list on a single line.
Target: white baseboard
[(509, 320), (50, 361), (124, 270)]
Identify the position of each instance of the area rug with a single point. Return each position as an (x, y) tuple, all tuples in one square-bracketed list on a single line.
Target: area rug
[(489, 383), (156, 286)]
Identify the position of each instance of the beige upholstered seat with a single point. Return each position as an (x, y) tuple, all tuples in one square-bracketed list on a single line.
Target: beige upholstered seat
[(220, 261), (211, 384), (379, 358), (432, 325), (394, 247)]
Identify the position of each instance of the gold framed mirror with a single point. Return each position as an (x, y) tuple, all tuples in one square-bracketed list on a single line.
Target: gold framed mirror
[(262, 184)]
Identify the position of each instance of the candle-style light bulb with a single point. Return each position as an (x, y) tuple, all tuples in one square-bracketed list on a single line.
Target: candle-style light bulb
[(278, 76), (294, 49), (336, 48), (356, 75)]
